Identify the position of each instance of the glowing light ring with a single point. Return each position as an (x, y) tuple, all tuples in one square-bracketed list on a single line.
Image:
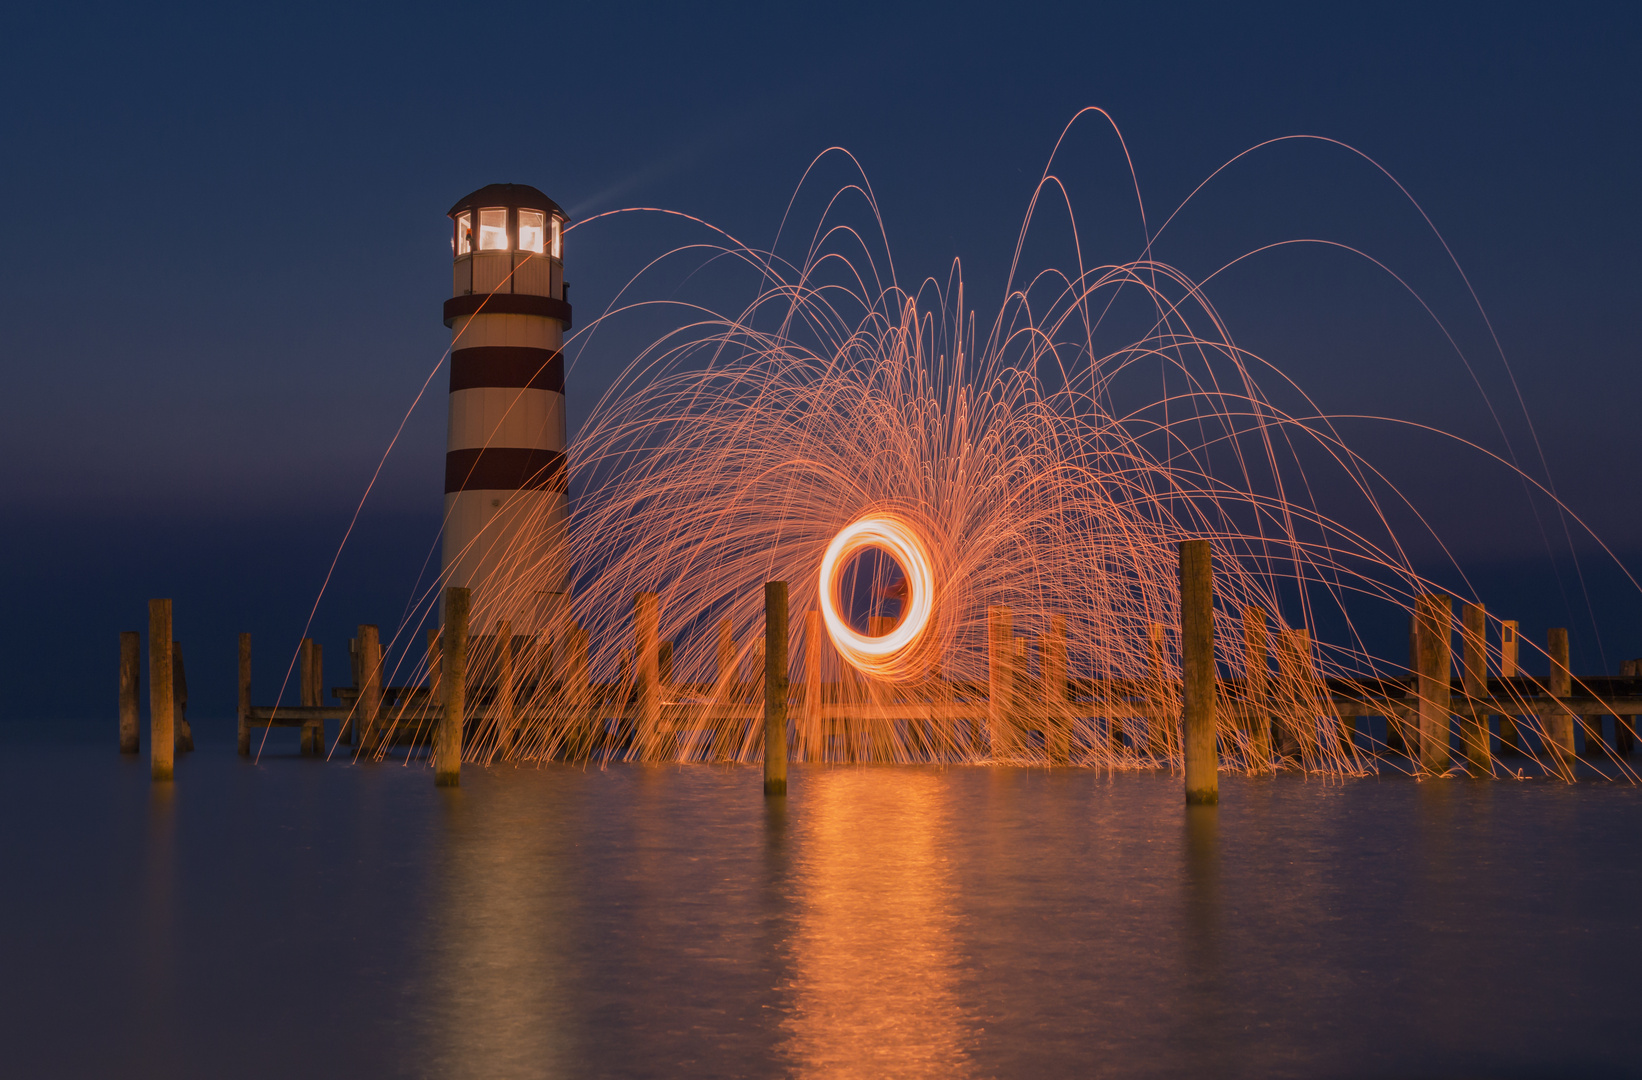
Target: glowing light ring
[(893, 654)]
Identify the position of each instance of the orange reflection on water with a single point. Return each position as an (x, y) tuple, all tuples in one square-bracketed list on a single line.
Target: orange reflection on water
[(874, 954)]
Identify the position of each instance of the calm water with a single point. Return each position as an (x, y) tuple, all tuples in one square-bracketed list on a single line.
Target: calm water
[(300, 918)]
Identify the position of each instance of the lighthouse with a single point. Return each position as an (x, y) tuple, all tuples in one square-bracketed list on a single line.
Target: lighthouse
[(505, 494)]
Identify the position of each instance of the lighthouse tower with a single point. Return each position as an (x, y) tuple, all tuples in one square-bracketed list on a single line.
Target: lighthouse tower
[(505, 495)]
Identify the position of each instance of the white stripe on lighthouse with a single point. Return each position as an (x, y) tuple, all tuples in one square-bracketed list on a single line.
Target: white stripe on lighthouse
[(506, 416)]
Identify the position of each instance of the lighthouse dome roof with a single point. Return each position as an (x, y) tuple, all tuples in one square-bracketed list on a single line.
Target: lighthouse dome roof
[(511, 195)]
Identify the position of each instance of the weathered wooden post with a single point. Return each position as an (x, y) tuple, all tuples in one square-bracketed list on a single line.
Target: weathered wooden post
[(436, 686), (1292, 657), (1257, 679), (309, 694), (1016, 671), (950, 736), (775, 688), (1404, 730), (131, 659), (1436, 648), (244, 710), (727, 685), (179, 699), (879, 730), (647, 651), (505, 719), (347, 735), (1000, 649), (1624, 727), (812, 745), (1559, 722), (1159, 714), (1112, 696), (1591, 725), (577, 692), (318, 737), (162, 741), (1474, 723), (448, 758), (727, 674), (1057, 733), (1197, 673), (1313, 691), (1509, 740), (368, 706)]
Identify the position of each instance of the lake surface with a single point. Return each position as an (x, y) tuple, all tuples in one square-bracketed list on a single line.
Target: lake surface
[(302, 918)]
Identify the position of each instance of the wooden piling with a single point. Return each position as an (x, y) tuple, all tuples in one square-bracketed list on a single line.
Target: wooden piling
[(162, 743), (348, 734), (948, 735), (578, 693), (1624, 727), (309, 695), (243, 712), (454, 661), (131, 659), (775, 688), (1293, 709), (878, 695), (1434, 635), (318, 737), (1313, 696), (368, 708), (1057, 720), (436, 687), (1159, 714), (812, 744), (647, 673), (1112, 706), (1591, 726), (1000, 648), (727, 688), (1017, 679), (1402, 727), (1474, 721), (179, 699), (1257, 678), (1558, 721), (1509, 740), (1197, 672), (727, 674), (505, 703)]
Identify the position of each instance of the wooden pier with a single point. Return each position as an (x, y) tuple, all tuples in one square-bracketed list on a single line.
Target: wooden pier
[(507, 690)]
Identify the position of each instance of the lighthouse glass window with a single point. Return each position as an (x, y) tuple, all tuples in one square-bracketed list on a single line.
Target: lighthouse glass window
[(493, 230), (532, 231), (464, 234)]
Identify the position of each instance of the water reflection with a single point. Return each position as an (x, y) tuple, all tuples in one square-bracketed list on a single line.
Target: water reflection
[(1204, 999), (498, 983), (158, 926), (873, 956), (648, 922)]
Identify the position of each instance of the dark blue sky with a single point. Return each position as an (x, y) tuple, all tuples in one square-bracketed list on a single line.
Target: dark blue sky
[(230, 251)]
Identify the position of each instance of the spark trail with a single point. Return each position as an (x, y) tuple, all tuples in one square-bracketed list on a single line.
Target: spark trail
[(1021, 471)]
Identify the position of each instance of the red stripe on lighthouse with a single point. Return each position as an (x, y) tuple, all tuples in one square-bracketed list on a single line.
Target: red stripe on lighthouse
[(504, 468)]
